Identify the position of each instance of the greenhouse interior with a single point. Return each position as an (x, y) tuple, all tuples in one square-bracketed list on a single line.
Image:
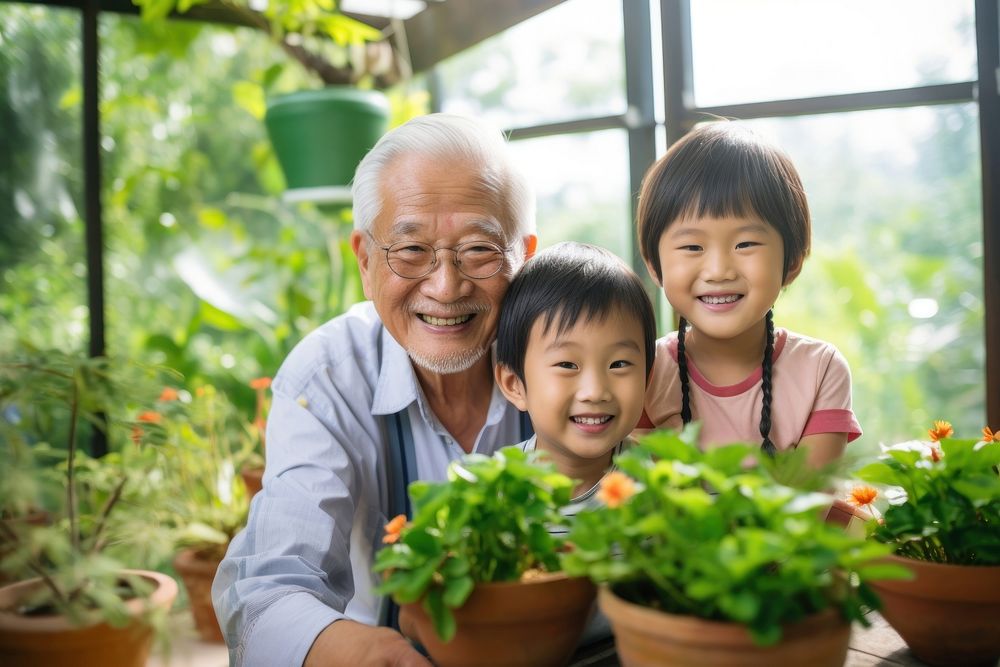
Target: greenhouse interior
[(168, 239)]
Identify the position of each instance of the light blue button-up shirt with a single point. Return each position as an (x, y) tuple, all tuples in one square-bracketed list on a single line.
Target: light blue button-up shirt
[(304, 560)]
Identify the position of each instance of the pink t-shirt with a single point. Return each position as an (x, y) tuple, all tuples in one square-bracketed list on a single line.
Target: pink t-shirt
[(811, 393)]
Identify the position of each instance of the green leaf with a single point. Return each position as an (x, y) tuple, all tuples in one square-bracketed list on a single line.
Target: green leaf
[(457, 591)]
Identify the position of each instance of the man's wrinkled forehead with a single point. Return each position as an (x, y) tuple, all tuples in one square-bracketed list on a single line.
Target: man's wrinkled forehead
[(492, 229)]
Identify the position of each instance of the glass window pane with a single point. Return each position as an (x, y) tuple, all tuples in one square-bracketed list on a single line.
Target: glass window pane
[(895, 275), (748, 51), (43, 292), (581, 182), (563, 64)]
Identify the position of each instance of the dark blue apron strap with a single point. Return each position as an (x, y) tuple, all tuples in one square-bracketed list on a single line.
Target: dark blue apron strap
[(527, 430), (402, 469)]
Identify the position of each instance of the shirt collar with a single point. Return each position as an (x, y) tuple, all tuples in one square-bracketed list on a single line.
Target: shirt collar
[(397, 382), (398, 387)]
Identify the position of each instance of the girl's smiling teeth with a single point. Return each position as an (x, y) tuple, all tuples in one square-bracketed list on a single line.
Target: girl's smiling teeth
[(592, 421), (445, 321), (716, 299)]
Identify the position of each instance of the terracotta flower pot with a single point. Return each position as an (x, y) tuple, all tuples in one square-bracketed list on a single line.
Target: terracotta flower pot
[(253, 478), (197, 573), (647, 637), (52, 641), (537, 623), (947, 614)]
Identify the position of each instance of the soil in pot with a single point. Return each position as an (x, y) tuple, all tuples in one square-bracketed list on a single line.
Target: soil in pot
[(947, 614), (536, 623), (197, 571), (52, 641), (646, 637)]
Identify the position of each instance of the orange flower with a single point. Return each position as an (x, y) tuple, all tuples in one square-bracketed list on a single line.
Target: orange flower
[(942, 429), (150, 417), (168, 394), (936, 454), (137, 434), (616, 488), (990, 436), (260, 383), (862, 495), (394, 528)]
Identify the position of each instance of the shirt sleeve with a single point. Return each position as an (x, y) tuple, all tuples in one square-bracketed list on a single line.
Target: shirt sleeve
[(832, 410), (288, 574)]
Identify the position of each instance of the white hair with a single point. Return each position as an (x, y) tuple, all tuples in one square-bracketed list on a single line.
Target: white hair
[(449, 138)]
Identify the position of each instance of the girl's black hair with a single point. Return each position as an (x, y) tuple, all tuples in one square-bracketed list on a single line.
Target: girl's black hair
[(562, 284), (725, 169), (765, 382)]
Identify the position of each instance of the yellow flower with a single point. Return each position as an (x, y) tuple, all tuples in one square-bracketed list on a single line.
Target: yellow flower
[(615, 489), (942, 429), (990, 436), (394, 528), (862, 495)]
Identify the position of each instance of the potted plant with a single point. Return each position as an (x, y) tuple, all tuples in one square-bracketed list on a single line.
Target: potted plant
[(252, 467), (942, 520), (77, 601), (319, 134), (202, 440), (705, 559), (477, 571)]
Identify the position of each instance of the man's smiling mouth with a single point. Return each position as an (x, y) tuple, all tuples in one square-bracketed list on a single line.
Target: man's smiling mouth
[(445, 321)]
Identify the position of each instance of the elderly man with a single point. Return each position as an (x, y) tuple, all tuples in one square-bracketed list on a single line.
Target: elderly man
[(392, 390)]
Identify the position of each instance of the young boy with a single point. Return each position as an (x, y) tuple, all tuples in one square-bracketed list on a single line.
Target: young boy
[(575, 346)]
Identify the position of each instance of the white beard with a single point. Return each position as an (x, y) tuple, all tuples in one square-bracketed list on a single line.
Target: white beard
[(449, 364)]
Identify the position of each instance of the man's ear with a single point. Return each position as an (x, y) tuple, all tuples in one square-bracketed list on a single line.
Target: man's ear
[(652, 273), (793, 271), (359, 246), (511, 386), (530, 245)]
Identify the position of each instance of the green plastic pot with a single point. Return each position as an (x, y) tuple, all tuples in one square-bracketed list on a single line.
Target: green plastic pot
[(320, 136)]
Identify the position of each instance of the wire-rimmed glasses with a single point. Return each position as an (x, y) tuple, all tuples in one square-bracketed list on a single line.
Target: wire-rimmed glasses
[(475, 259)]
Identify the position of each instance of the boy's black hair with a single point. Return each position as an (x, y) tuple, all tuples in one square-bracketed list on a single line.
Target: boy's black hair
[(562, 284), (719, 170)]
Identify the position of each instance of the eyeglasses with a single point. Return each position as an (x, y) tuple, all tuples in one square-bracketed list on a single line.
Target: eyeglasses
[(475, 259)]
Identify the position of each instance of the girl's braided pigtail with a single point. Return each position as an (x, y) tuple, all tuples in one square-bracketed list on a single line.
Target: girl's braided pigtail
[(765, 384), (683, 368)]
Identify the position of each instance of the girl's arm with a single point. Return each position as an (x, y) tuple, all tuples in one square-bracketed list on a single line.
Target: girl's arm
[(823, 448)]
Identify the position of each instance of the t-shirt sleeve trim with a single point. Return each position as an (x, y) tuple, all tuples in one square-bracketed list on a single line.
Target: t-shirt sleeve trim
[(833, 421)]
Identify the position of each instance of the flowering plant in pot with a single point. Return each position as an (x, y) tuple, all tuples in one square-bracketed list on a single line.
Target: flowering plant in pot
[(76, 600), (941, 515), (704, 558), (202, 439), (477, 569)]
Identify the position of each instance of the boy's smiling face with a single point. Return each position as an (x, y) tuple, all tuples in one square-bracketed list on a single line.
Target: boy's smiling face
[(583, 387)]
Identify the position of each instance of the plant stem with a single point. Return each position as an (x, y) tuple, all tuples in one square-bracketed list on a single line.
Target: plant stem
[(70, 466), (116, 494), (9, 535)]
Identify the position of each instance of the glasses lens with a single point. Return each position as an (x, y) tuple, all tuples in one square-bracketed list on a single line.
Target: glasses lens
[(410, 259), (479, 260)]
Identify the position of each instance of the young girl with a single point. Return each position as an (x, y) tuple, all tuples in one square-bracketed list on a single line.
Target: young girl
[(723, 225)]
